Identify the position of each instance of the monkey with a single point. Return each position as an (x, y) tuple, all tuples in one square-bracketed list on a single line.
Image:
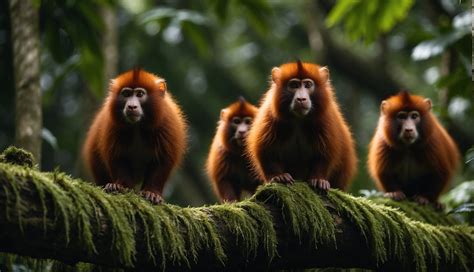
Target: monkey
[(138, 136), (227, 166), (299, 131), (411, 154)]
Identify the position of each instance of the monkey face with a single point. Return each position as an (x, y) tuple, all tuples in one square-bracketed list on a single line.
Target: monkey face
[(132, 100), (301, 89), (408, 123), (240, 126)]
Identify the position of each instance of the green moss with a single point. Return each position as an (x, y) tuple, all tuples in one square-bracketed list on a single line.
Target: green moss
[(302, 210), (176, 235), (18, 156), (171, 234), (418, 212), (250, 223), (391, 234)]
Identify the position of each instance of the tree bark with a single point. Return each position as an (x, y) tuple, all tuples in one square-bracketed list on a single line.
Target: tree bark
[(26, 62)]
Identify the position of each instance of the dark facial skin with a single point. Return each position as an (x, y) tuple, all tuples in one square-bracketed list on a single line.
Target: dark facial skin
[(240, 126), (302, 89), (132, 100), (408, 122)]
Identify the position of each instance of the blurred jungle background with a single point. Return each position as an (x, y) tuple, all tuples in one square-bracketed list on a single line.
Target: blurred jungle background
[(212, 51)]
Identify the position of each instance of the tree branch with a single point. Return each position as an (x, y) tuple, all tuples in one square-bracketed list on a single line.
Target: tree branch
[(50, 215)]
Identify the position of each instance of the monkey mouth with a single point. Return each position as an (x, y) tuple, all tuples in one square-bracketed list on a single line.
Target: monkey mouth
[(132, 117), (239, 141), (408, 138), (301, 110)]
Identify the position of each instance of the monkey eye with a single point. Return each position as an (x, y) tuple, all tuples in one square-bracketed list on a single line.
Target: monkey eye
[(308, 83), (294, 84), (415, 115), (140, 92), (402, 115), (248, 120), (236, 120), (126, 92)]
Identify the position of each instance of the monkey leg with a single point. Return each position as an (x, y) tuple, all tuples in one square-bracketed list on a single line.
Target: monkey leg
[(122, 179), (318, 170), (155, 180), (227, 191)]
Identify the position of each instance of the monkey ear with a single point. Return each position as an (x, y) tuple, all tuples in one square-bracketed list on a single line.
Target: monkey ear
[(428, 102), (276, 73), (162, 85), (324, 72), (383, 106), (223, 113)]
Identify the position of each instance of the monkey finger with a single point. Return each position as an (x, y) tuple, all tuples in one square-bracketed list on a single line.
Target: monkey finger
[(113, 187), (397, 195), (288, 178), (421, 200), (154, 198), (438, 206)]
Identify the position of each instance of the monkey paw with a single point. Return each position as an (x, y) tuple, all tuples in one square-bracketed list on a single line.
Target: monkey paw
[(438, 206), (113, 187), (319, 184), (284, 178), (154, 198), (421, 200), (397, 195)]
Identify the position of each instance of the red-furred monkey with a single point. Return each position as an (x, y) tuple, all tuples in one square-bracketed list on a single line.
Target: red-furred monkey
[(411, 154), (139, 135), (227, 166), (299, 131)]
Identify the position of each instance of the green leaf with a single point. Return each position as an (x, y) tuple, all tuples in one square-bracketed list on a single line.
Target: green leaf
[(464, 208), (368, 19), (434, 47)]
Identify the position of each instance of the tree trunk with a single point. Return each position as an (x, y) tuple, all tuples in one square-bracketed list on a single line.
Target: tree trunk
[(26, 62)]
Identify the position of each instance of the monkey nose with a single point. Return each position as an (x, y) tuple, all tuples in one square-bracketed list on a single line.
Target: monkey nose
[(132, 107), (301, 99)]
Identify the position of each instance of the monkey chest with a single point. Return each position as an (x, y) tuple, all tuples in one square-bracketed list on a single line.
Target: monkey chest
[(139, 152), (296, 148), (410, 168)]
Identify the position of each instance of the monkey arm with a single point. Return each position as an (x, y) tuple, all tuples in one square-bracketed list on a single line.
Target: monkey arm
[(120, 173), (227, 191), (156, 176)]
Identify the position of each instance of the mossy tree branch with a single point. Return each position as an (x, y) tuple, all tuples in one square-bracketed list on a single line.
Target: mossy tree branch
[(50, 215)]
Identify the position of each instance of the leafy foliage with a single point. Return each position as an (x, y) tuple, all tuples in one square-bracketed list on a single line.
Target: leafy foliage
[(367, 19)]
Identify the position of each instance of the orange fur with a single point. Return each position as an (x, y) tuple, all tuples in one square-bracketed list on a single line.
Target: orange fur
[(318, 146), (126, 154), (227, 167), (423, 168)]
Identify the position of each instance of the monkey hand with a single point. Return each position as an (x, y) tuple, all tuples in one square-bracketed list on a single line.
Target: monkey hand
[(284, 178), (421, 200), (113, 187), (319, 183), (438, 206), (154, 198), (396, 195)]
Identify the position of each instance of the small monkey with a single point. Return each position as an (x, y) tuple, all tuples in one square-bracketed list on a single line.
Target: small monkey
[(299, 131), (139, 135), (411, 154), (227, 166)]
